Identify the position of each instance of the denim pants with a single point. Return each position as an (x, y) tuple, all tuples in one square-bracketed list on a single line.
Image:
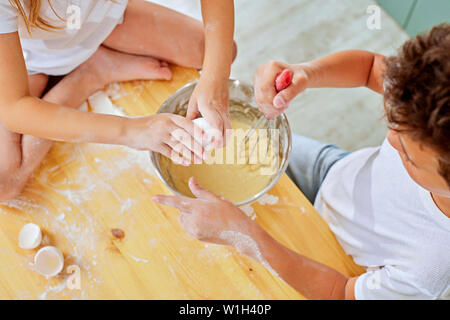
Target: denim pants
[(310, 162)]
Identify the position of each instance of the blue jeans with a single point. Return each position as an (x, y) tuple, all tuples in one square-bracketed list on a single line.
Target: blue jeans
[(310, 162)]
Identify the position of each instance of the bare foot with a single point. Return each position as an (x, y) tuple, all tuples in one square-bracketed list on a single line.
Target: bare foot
[(106, 66)]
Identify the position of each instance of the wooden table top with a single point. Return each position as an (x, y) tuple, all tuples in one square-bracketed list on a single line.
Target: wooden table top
[(82, 191)]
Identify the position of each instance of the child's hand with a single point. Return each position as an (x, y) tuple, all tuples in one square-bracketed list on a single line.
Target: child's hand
[(271, 102), (210, 97), (169, 134), (207, 216)]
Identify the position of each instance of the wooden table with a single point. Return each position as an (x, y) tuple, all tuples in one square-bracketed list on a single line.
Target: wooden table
[(82, 191)]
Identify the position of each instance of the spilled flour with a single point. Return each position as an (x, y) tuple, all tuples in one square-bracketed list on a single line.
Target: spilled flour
[(127, 205), (139, 259), (55, 289), (268, 199), (52, 207), (248, 210), (100, 103), (246, 245), (115, 91)]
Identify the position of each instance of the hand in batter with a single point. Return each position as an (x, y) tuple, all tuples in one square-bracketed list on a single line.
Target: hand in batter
[(210, 97), (208, 215), (171, 135), (272, 95)]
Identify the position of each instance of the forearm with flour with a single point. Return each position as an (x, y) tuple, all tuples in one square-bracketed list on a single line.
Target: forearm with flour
[(312, 279)]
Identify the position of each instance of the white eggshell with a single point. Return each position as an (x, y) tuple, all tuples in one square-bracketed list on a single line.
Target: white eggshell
[(49, 261), (30, 236), (202, 123)]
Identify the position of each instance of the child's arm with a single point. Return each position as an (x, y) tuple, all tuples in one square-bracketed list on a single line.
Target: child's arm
[(210, 218), (345, 69), (210, 96), (22, 113)]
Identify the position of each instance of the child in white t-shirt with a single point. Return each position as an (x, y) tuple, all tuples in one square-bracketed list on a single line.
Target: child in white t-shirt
[(91, 44), (389, 207)]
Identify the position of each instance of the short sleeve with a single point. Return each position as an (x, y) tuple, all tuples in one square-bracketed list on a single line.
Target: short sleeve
[(388, 283), (8, 17)]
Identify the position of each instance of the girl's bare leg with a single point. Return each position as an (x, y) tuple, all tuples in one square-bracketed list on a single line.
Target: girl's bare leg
[(21, 155), (152, 30)]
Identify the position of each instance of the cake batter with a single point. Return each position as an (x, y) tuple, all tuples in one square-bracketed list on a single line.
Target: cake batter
[(228, 171)]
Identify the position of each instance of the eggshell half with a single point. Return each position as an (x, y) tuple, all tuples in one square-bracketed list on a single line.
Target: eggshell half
[(49, 261), (30, 236)]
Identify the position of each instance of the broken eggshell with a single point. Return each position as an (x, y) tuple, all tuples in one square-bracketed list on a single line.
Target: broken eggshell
[(49, 261), (30, 236)]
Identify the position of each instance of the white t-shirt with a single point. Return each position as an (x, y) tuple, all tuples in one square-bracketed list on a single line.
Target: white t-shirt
[(59, 51), (388, 224)]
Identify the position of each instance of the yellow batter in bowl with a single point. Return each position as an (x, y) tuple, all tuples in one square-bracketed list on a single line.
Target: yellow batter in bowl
[(229, 172)]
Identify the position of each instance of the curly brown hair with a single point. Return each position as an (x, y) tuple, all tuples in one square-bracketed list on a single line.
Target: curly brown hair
[(417, 91)]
